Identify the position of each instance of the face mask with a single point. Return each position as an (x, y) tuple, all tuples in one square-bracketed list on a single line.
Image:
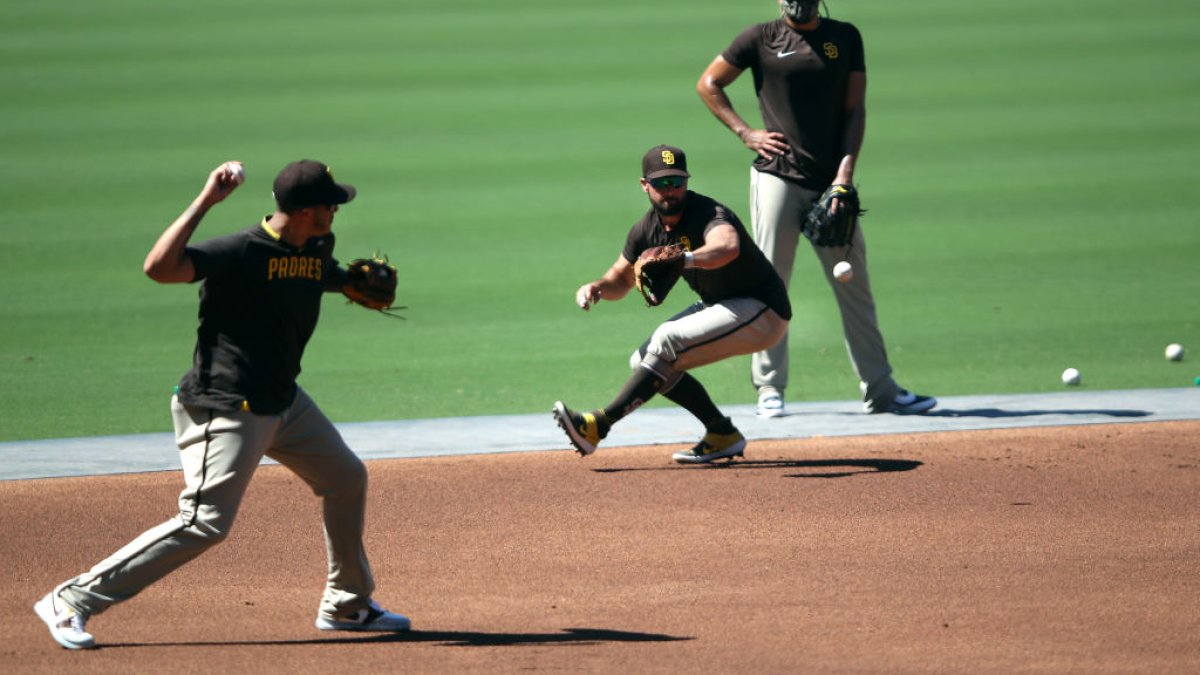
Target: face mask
[(800, 11)]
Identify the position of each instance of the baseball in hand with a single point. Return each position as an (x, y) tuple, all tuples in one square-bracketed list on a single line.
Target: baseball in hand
[(236, 172), (843, 272), (1070, 376), (584, 297), (1174, 352)]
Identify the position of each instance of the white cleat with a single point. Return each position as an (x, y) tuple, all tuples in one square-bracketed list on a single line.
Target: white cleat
[(65, 624), (770, 404), (373, 618)]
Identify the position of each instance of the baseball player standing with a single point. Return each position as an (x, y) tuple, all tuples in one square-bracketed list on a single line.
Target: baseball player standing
[(259, 303), (743, 308), (811, 82)]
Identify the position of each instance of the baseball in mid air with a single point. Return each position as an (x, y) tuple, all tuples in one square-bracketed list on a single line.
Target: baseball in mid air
[(1070, 376), (1174, 352), (843, 272)]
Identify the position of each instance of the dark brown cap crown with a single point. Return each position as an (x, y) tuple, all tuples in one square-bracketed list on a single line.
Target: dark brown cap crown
[(664, 160), (309, 183)]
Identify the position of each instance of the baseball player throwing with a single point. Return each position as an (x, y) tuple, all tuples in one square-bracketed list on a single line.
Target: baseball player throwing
[(259, 303)]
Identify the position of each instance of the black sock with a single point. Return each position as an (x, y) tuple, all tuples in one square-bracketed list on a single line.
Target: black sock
[(641, 386), (689, 394)]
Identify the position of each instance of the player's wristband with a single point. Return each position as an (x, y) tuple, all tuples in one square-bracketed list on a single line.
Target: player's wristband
[(689, 260)]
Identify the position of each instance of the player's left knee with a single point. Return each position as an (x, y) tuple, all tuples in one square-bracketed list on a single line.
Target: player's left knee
[(635, 359), (664, 344), (663, 370)]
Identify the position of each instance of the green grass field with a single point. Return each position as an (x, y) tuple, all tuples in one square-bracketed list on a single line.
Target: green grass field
[(1030, 171)]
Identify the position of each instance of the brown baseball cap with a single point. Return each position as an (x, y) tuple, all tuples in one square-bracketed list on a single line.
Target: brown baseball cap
[(664, 160), (309, 183)]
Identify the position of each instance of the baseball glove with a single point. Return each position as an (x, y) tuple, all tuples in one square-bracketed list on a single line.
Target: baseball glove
[(656, 271), (371, 283), (824, 227)]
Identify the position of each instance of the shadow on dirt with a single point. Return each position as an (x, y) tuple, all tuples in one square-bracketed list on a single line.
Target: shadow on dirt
[(569, 636), (997, 413), (858, 466)]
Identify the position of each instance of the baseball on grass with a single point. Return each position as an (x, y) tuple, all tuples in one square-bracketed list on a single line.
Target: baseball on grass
[(1070, 376), (1174, 352), (843, 272)]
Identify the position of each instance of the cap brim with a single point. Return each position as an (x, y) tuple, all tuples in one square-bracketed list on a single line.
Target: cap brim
[(346, 192), (668, 172)]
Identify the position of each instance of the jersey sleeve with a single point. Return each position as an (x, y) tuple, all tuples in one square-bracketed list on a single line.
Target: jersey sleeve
[(335, 277), (858, 58), (719, 216), (216, 257), (742, 53)]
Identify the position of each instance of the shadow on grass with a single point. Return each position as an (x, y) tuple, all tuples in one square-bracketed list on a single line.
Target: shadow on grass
[(568, 636), (856, 466)]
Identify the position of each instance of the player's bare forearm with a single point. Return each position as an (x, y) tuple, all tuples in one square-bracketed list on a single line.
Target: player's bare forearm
[(851, 145), (845, 173), (167, 262), (711, 88), (718, 103), (855, 128), (720, 248), (614, 285)]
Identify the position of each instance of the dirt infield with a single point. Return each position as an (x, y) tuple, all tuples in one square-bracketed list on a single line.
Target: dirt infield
[(1048, 550)]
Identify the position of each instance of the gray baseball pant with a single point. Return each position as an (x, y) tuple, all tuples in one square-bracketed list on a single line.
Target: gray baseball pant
[(220, 451), (702, 334), (777, 210)]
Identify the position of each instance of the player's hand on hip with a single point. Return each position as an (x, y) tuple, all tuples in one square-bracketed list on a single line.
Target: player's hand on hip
[(587, 295), (767, 144)]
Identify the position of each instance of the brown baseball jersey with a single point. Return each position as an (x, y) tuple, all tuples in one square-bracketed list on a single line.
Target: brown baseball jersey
[(259, 303), (750, 275), (800, 78)]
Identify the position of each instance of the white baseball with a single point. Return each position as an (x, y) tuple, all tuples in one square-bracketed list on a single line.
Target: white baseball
[(843, 272), (237, 173), (1070, 376), (1174, 352), (583, 298)]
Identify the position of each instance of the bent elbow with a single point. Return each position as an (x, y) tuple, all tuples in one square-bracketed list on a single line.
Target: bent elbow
[(160, 271), (708, 88), (154, 270), (150, 270)]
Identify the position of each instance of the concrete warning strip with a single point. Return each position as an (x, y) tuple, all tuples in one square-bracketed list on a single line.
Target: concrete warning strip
[(649, 426)]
